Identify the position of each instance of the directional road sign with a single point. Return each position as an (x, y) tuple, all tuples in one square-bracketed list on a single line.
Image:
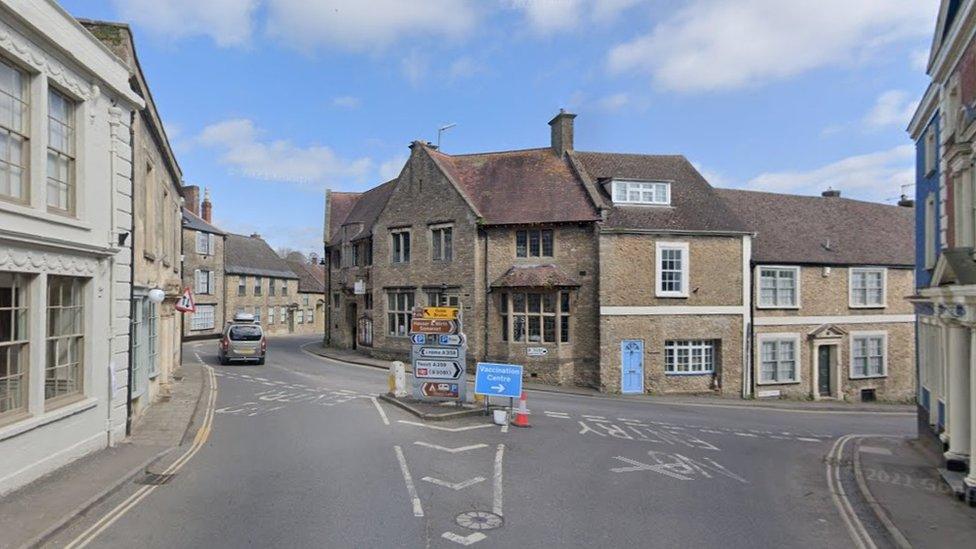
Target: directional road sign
[(439, 389), (498, 380), (450, 339), (446, 313), (436, 352), (418, 339), (437, 369), (432, 326)]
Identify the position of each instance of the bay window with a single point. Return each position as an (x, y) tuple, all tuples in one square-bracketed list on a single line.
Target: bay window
[(535, 317)]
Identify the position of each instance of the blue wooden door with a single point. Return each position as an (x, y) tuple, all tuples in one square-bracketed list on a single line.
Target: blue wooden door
[(632, 366)]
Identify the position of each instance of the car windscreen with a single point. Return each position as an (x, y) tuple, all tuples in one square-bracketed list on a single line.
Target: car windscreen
[(245, 333)]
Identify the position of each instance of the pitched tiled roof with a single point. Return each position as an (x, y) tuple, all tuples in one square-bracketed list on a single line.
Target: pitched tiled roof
[(694, 204), (534, 276), (311, 278), (526, 186), (193, 221), (251, 255), (358, 210), (825, 230)]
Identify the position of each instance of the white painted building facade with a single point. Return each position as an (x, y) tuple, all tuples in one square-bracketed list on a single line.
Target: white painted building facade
[(65, 219)]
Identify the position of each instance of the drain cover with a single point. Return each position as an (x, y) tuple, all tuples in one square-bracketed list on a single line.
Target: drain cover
[(155, 479), (479, 520)]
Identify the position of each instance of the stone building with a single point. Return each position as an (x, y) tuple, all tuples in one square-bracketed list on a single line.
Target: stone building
[(310, 313), (625, 272), (945, 297), (258, 282), (830, 277), (155, 338), (203, 266), (65, 241)]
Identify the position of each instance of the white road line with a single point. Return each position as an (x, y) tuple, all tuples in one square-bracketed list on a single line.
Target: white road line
[(854, 526), (496, 500), (593, 417), (451, 450), (746, 435), (464, 540), (418, 510), (448, 429), (379, 409), (454, 485), (804, 439), (505, 428), (874, 450)]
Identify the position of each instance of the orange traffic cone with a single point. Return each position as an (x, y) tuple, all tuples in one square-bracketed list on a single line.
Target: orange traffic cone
[(522, 414)]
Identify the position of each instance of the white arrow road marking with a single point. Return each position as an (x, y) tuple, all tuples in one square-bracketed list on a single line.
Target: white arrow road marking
[(451, 450), (464, 540), (380, 410), (448, 429), (418, 510), (453, 485)]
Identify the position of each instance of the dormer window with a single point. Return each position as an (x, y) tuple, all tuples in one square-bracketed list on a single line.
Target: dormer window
[(656, 193)]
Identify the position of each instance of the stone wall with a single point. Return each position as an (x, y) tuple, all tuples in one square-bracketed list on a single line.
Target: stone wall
[(826, 294), (192, 261)]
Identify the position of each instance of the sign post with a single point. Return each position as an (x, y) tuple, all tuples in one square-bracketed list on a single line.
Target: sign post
[(439, 354), (492, 379)]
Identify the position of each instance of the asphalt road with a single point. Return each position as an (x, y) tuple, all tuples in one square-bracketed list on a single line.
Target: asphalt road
[(299, 455)]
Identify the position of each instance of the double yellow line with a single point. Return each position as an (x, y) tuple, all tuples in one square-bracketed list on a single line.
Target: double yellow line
[(199, 440)]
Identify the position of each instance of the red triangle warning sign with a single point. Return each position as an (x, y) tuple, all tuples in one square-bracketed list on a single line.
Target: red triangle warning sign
[(185, 303)]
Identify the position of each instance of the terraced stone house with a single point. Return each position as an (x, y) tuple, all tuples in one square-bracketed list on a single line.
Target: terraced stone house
[(625, 272)]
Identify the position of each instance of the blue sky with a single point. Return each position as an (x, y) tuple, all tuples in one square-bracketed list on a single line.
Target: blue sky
[(268, 102)]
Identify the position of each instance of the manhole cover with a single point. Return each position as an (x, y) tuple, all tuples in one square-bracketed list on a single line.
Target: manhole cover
[(479, 520)]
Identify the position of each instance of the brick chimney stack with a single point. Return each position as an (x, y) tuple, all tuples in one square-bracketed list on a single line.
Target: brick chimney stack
[(206, 208), (191, 194), (562, 132), (830, 193)]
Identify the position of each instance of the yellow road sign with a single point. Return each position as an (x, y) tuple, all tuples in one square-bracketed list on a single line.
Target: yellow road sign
[(443, 313)]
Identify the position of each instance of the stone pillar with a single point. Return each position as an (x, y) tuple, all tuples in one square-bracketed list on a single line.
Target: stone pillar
[(970, 481), (958, 427)]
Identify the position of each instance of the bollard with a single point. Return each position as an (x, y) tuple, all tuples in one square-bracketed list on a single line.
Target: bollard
[(398, 379)]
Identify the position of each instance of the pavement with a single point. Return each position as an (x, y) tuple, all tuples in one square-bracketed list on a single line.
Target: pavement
[(37, 512), (354, 357), (301, 453)]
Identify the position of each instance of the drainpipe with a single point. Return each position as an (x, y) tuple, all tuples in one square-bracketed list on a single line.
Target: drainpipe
[(132, 271), (484, 330)]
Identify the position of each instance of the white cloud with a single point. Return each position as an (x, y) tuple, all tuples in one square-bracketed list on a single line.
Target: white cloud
[(414, 68), (892, 108), (875, 176), (347, 102), (550, 16), (727, 44), (316, 166), (355, 25), (613, 102), (714, 178), (303, 238), (464, 67), (227, 22), (391, 168), (919, 59)]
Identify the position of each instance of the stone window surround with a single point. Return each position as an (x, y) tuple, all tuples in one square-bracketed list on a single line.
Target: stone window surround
[(793, 337), (659, 248), (884, 287), (507, 314), (400, 239), (884, 356), (528, 242), (441, 233), (798, 288)]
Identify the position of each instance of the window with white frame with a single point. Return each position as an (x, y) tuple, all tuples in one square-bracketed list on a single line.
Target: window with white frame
[(283, 314), (258, 284), (442, 242), (241, 285), (399, 309), (300, 318), (271, 315), (284, 287), (442, 298), (779, 287), (64, 367), (14, 344), (152, 330), (271, 286), (868, 355), (930, 233), (205, 243), (400, 245), (867, 287), (309, 316), (60, 153), (203, 318), (778, 360), (689, 357), (963, 207), (14, 130), (672, 269), (656, 193), (930, 151), (534, 243), (204, 281)]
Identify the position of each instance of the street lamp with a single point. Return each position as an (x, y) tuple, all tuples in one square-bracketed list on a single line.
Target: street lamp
[(156, 295)]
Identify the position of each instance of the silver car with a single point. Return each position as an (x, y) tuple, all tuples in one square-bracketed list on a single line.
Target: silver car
[(242, 341)]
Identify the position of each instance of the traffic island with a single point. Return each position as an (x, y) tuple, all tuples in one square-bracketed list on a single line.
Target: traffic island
[(433, 411)]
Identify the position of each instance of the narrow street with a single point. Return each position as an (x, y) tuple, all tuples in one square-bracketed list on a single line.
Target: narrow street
[(300, 455)]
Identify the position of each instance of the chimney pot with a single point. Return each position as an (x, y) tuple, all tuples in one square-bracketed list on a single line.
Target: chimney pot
[(561, 133), (830, 193), (192, 195), (255, 235), (206, 208), (906, 202)]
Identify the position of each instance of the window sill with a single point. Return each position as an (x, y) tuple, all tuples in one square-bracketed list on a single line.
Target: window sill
[(797, 382), (43, 215), (671, 296), (34, 422), (685, 374), (883, 306), (856, 378), (778, 307)]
